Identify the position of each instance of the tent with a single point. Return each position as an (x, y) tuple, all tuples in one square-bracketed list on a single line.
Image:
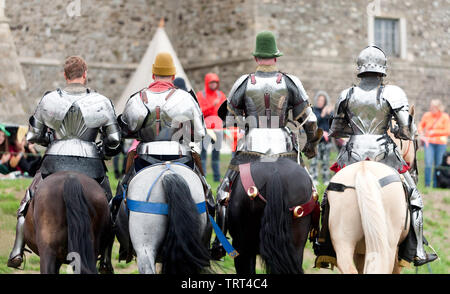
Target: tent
[(142, 77)]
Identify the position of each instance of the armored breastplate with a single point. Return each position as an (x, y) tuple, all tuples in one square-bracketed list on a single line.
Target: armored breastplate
[(368, 111), (266, 99), (159, 124)]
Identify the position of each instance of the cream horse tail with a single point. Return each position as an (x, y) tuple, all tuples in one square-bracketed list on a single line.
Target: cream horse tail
[(373, 218)]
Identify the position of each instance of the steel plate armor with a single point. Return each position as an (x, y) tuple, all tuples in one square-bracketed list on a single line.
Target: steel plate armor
[(172, 116), (262, 100), (75, 116)]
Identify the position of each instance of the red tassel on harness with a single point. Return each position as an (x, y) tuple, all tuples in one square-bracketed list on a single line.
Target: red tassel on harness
[(335, 167), (404, 169)]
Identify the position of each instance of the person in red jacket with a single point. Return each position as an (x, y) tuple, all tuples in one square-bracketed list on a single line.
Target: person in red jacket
[(210, 99)]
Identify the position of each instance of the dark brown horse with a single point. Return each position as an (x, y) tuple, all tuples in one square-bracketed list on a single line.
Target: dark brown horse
[(269, 229), (68, 222)]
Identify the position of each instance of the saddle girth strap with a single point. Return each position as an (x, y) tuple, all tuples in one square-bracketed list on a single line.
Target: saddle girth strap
[(338, 187)]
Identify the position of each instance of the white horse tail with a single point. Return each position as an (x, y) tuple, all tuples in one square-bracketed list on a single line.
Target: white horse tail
[(373, 219)]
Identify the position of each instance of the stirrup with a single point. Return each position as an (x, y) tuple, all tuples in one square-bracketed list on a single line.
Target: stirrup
[(429, 258)]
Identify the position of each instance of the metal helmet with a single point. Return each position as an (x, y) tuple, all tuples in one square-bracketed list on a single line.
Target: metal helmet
[(372, 59)]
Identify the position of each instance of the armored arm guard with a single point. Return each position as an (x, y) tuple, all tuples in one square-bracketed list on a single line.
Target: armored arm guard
[(303, 113), (398, 101), (235, 103), (301, 108), (37, 131), (339, 124), (133, 116), (199, 124), (111, 133)]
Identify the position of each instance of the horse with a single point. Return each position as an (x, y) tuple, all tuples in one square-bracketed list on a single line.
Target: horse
[(265, 225), (367, 222), (175, 229), (68, 222)]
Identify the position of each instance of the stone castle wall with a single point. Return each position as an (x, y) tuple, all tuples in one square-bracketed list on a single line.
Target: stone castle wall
[(320, 41)]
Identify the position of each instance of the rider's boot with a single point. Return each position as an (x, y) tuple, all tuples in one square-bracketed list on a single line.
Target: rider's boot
[(16, 256), (416, 203), (323, 248), (106, 187), (222, 197)]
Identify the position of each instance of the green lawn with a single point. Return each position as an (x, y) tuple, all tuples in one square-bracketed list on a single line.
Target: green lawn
[(436, 216)]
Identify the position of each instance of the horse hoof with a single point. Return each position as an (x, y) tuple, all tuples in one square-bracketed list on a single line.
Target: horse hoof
[(15, 262), (106, 270)]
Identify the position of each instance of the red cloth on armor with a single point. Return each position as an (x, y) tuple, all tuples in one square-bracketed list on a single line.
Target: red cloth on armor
[(159, 86)]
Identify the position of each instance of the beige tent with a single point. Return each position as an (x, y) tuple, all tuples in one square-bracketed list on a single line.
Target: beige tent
[(142, 77)]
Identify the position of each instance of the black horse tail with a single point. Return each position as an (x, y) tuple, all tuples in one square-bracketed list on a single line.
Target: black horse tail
[(183, 251), (80, 244), (276, 239)]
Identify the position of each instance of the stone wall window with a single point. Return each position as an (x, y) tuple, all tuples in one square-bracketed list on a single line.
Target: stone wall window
[(387, 35)]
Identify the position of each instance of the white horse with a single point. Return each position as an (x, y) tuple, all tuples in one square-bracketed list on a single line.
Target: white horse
[(179, 238), (367, 222)]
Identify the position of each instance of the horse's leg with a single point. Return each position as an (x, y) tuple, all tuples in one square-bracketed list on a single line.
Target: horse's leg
[(359, 262), (147, 232), (48, 262), (300, 229), (245, 263), (106, 244), (146, 259), (344, 256), (397, 268)]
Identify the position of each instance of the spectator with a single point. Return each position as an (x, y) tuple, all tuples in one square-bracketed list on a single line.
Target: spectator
[(322, 110), (5, 156), (443, 172), (180, 83), (210, 100), (24, 156), (434, 128)]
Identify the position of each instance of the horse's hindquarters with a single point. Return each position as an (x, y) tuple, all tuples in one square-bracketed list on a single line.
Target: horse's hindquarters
[(368, 213), (149, 230)]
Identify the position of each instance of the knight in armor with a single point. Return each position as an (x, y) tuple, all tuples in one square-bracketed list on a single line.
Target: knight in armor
[(363, 114), (67, 122), (168, 123), (259, 103)]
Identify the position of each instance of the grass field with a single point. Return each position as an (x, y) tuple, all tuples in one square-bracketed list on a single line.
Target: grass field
[(436, 227)]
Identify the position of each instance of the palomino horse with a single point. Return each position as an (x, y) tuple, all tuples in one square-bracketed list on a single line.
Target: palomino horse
[(68, 217), (266, 225), (367, 222), (168, 221)]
